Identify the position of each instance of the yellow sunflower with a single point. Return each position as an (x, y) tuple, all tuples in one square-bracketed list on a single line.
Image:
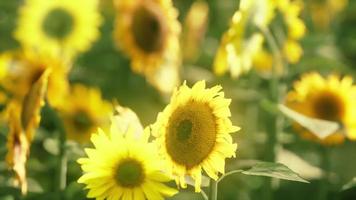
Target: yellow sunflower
[(330, 98), (193, 133), (123, 166), (291, 49), (148, 32), (58, 27), (24, 68), (238, 45), (83, 111), (324, 12)]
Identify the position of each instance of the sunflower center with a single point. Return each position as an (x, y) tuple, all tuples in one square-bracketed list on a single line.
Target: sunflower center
[(184, 130), (58, 23), (82, 121), (191, 134), (129, 173), (329, 106), (148, 30)]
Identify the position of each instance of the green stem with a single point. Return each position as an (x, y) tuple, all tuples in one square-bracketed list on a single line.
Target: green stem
[(61, 170), (272, 121), (324, 183), (213, 192)]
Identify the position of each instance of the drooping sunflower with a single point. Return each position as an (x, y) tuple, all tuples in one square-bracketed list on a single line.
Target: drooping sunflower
[(83, 111), (58, 27), (331, 99), (23, 118), (24, 68), (123, 166), (148, 32), (193, 133), (242, 41)]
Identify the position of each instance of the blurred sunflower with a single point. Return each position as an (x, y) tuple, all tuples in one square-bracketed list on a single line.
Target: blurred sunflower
[(23, 118), (323, 12), (242, 41), (331, 99), (294, 28), (58, 27), (83, 112), (123, 166), (193, 133), (148, 32), (24, 68)]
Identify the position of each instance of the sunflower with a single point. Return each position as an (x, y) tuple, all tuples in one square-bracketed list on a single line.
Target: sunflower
[(60, 27), (83, 111), (193, 132), (242, 41), (122, 166), (23, 119), (324, 12), (291, 50), (24, 68), (148, 32), (330, 98)]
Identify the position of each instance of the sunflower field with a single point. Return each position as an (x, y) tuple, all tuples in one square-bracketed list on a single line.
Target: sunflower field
[(178, 99)]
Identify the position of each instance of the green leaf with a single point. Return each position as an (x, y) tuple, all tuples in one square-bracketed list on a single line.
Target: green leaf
[(320, 128), (350, 184), (274, 170), (269, 169)]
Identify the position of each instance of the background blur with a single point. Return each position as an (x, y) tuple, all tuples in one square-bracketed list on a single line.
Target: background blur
[(326, 50)]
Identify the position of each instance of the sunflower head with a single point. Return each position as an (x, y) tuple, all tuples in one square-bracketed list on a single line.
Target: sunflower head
[(58, 27), (193, 132), (148, 31), (124, 166), (24, 69), (328, 98), (242, 42), (83, 111)]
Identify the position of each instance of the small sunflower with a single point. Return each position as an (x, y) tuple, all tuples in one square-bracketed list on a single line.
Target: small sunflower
[(122, 166), (294, 28), (242, 41), (330, 98), (148, 32), (83, 111), (193, 132), (24, 68), (324, 12), (58, 27)]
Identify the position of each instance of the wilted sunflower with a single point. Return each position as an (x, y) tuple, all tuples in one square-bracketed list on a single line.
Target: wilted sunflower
[(23, 118), (123, 166), (147, 31), (24, 68), (242, 41), (331, 99), (193, 132), (59, 27), (83, 111)]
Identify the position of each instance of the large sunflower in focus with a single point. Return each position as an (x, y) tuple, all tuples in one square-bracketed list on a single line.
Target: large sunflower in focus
[(123, 166), (147, 31), (193, 132), (60, 27), (83, 112), (24, 68), (330, 98)]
